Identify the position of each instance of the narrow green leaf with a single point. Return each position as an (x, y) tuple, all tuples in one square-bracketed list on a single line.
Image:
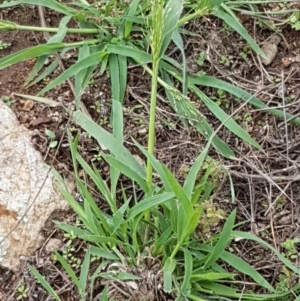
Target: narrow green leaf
[(123, 76), (126, 170), (243, 235), (172, 13), (69, 270), (44, 283), (100, 239), (209, 81), (246, 269), (131, 12), (177, 39), (179, 192), (100, 183), (157, 166), (239, 28), (212, 276), (222, 242), (83, 53), (129, 52), (90, 219), (114, 73), (222, 116), (190, 181), (117, 122), (168, 270), (148, 203), (30, 53), (92, 60), (191, 225), (52, 4), (71, 229), (84, 272), (102, 253), (58, 37), (44, 100), (107, 139), (188, 268), (75, 205)]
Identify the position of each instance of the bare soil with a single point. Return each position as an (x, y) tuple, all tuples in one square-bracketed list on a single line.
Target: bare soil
[(267, 185)]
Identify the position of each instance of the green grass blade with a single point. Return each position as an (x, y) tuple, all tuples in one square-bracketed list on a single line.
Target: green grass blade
[(212, 276), (190, 181), (188, 268), (118, 217), (54, 5), (172, 12), (243, 235), (200, 123), (44, 100), (30, 53), (180, 194), (168, 270), (75, 205), (117, 123), (103, 240), (69, 270), (109, 141), (90, 219), (126, 170), (222, 242), (83, 53), (99, 182), (157, 166), (44, 74), (97, 212), (114, 76), (246, 269), (58, 37), (90, 203), (84, 272), (239, 28), (222, 116), (215, 3), (129, 52), (177, 39), (102, 253), (44, 283), (241, 266), (123, 76), (148, 203), (209, 81), (191, 225), (162, 239), (131, 13), (104, 295), (92, 60), (71, 229)]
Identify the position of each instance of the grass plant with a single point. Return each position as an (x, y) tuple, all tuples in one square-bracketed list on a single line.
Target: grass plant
[(154, 238)]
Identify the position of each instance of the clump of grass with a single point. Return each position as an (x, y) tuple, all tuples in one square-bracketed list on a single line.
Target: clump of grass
[(149, 240)]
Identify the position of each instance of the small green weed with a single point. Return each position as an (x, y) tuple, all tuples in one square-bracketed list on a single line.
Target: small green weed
[(51, 135), (8, 100), (290, 248), (22, 291)]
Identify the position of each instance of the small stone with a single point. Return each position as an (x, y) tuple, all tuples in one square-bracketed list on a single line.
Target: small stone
[(53, 245), (28, 105)]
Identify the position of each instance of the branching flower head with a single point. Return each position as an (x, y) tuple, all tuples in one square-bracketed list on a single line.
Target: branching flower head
[(7, 26)]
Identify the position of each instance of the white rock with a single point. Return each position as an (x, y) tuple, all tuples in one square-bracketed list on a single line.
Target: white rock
[(22, 173)]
